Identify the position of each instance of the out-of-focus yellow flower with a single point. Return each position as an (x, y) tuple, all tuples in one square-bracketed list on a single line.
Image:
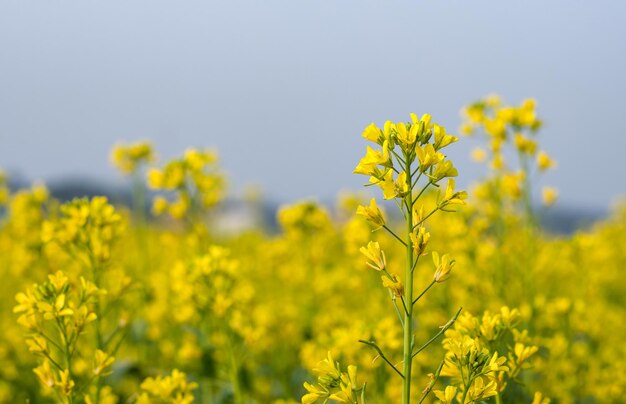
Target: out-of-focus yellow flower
[(539, 398), (45, 374), (549, 195), (127, 158), (525, 145), (544, 162), (102, 363), (172, 388), (479, 155)]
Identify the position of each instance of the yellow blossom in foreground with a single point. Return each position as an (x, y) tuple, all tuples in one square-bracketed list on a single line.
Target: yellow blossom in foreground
[(372, 213), (375, 256), (393, 284), (446, 396), (372, 133), (443, 266)]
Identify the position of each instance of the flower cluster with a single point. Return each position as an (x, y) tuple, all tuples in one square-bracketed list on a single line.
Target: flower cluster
[(516, 126), (194, 179), (85, 226), (333, 384), (170, 389), (56, 315), (409, 162), (128, 158), (483, 355)]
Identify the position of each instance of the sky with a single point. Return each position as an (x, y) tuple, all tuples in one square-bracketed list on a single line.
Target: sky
[(283, 89)]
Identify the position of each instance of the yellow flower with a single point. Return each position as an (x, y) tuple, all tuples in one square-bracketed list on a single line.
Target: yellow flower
[(544, 162), (372, 133), (65, 384), (128, 157), (524, 144), (420, 238), (375, 255), (372, 213), (327, 371), (479, 155), (512, 184), (393, 284), (538, 398), (372, 159), (159, 205), (314, 393), (444, 169), (446, 396), (102, 363), (406, 136), (451, 197), (443, 266), (37, 345), (496, 364), (479, 390), (522, 352), (428, 156), (45, 374), (386, 183), (401, 186), (441, 138), (549, 195)]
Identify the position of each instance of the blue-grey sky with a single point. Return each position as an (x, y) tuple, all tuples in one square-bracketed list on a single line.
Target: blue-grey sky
[(283, 89)]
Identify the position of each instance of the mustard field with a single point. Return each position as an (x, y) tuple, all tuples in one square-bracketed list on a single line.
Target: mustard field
[(420, 292)]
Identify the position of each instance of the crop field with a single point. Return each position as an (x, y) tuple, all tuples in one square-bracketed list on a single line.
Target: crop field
[(418, 292)]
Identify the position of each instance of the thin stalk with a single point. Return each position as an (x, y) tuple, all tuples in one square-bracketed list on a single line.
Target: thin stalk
[(470, 380), (429, 183), (431, 385), (382, 355), (424, 291), (426, 217), (395, 304), (443, 329), (406, 311), (394, 234)]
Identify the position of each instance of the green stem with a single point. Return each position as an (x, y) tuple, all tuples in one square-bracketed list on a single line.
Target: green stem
[(469, 384), (408, 295)]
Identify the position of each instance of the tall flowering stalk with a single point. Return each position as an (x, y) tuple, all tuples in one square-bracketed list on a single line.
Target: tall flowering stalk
[(408, 163)]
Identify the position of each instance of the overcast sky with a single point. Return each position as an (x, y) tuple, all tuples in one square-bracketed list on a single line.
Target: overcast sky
[(283, 89)]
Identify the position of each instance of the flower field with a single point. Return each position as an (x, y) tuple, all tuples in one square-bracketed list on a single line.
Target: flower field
[(420, 292)]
